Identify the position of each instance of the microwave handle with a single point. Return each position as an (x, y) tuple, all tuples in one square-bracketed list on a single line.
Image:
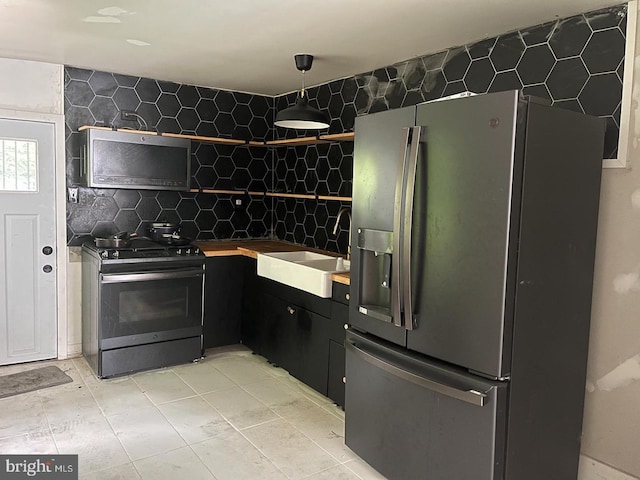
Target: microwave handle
[(83, 161)]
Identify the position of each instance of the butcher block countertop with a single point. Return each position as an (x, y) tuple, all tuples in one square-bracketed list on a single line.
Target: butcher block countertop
[(251, 248)]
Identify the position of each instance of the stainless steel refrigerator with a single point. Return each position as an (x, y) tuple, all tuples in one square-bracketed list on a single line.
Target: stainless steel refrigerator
[(474, 226)]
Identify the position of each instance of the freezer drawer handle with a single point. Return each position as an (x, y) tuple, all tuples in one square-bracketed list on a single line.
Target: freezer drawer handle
[(473, 397)]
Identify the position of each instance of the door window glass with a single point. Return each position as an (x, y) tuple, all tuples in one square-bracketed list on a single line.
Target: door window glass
[(18, 165)]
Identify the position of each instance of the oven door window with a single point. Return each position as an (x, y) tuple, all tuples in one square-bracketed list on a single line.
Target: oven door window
[(150, 302)]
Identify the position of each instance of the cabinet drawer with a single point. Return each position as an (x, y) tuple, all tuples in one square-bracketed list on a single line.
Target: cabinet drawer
[(340, 293)]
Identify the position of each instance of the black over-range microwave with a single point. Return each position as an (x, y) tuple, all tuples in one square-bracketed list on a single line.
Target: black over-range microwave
[(120, 159)]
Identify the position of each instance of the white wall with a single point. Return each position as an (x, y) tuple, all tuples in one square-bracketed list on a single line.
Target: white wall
[(31, 86), (74, 302), (611, 430)]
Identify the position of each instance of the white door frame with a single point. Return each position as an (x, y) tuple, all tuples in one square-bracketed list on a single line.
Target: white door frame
[(61, 216)]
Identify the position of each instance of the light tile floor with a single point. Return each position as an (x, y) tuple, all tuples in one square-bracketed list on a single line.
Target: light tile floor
[(232, 416)]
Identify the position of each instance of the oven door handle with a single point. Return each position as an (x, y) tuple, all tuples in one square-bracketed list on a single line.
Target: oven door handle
[(149, 276)]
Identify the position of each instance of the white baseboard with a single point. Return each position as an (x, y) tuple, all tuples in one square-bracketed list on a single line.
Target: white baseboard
[(591, 469)]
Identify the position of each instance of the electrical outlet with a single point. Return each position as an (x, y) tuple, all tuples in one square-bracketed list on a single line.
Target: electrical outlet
[(72, 194)]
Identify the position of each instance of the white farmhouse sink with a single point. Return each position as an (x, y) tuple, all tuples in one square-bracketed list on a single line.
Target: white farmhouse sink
[(304, 270)]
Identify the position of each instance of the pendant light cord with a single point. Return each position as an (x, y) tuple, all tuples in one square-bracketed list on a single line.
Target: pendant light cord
[(301, 115)]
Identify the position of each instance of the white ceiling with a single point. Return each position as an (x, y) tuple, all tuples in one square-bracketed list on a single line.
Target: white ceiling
[(248, 45)]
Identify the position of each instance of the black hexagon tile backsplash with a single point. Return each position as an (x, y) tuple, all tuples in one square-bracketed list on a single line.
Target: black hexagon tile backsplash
[(576, 63), (98, 98)]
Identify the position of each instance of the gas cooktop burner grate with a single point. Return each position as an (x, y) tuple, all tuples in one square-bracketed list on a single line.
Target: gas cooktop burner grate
[(143, 244)]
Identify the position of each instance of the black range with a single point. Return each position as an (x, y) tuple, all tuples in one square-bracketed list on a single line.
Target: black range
[(142, 305)]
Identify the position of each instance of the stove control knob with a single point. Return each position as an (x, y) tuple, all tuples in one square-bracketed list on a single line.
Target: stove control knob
[(179, 251), (187, 251), (196, 251), (115, 254), (104, 254)]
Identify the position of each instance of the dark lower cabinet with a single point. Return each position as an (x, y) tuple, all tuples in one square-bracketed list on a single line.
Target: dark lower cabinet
[(312, 350), (293, 336), (339, 318), (278, 336), (224, 278), (335, 380), (298, 331), (252, 318)]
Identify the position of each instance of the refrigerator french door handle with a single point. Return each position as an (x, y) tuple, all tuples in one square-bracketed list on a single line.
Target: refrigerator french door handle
[(473, 397), (398, 214), (410, 184)]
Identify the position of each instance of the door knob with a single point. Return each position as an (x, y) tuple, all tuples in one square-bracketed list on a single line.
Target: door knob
[(291, 310), (47, 269), (47, 250)]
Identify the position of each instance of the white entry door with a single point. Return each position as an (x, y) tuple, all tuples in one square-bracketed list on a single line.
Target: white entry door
[(28, 323)]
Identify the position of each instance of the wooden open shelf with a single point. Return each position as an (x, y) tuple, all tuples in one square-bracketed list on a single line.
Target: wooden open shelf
[(305, 196), (290, 142), (295, 142)]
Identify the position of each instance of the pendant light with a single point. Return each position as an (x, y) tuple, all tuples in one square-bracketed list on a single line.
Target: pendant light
[(302, 116)]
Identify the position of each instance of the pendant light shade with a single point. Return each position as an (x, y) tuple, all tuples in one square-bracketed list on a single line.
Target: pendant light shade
[(302, 116)]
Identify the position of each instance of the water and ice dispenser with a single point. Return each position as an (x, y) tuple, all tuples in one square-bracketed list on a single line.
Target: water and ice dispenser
[(374, 292)]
